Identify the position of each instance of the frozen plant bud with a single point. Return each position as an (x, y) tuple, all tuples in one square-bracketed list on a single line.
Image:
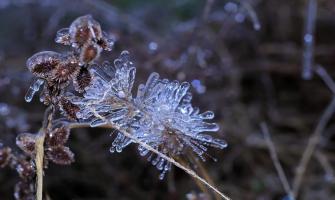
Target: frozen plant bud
[(68, 108), (82, 80), (84, 29), (26, 142), (61, 155), (89, 52), (57, 137), (41, 64), (65, 70)]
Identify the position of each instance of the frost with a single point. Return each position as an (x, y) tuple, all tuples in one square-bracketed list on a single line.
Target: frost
[(160, 115)]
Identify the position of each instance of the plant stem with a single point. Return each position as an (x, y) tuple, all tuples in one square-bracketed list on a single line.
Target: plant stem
[(39, 146)]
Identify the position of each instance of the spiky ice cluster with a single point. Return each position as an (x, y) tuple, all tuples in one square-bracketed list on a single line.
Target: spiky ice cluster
[(161, 115)]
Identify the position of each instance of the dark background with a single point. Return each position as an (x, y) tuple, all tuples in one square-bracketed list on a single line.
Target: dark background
[(245, 76)]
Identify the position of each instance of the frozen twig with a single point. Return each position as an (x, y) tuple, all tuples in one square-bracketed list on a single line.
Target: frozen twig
[(275, 159), (308, 38), (162, 155)]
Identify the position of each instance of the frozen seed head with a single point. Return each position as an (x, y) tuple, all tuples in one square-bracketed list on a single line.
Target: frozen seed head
[(89, 52), (60, 155), (83, 30), (43, 63), (58, 136), (65, 70), (68, 108), (26, 142), (82, 80)]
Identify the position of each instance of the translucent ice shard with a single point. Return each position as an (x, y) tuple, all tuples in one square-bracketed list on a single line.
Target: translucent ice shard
[(34, 87)]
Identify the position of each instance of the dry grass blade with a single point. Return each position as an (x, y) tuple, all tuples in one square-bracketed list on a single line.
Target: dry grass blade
[(275, 159)]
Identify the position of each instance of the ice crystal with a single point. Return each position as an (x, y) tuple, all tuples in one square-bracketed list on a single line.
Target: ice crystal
[(161, 115)]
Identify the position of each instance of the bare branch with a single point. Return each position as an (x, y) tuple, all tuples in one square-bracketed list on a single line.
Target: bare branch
[(308, 38), (275, 159), (311, 146)]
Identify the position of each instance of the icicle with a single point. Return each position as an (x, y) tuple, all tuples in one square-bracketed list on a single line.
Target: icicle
[(34, 87)]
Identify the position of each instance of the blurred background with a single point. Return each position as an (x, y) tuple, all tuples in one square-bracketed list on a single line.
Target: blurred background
[(244, 59)]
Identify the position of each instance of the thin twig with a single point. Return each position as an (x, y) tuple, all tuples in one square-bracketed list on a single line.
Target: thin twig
[(39, 146), (308, 53), (326, 78), (275, 160), (329, 172), (311, 146)]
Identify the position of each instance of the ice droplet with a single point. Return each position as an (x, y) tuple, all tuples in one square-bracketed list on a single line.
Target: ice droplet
[(34, 87)]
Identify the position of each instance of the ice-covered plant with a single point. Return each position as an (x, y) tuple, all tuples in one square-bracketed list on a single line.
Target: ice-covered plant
[(160, 118), (160, 115)]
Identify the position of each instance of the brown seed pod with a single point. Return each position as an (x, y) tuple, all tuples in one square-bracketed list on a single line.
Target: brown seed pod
[(43, 63), (60, 155), (26, 142), (5, 154), (58, 136), (68, 108), (82, 80), (83, 30)]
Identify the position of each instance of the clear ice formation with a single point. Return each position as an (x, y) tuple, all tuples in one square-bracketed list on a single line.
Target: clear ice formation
[(34, 87), (161, 115)]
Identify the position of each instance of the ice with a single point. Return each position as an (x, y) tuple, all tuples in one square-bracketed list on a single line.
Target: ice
[(161, 114), (34, 87)]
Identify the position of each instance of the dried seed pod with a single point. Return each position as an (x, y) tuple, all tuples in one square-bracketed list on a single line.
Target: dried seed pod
[(68, 108), (83, 30), (89, 52), (58, 136), (82, 80), (60, 155), (25, 169), (5, 154), (24, 191), (63, 36), (26, 142), (43, 63)]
